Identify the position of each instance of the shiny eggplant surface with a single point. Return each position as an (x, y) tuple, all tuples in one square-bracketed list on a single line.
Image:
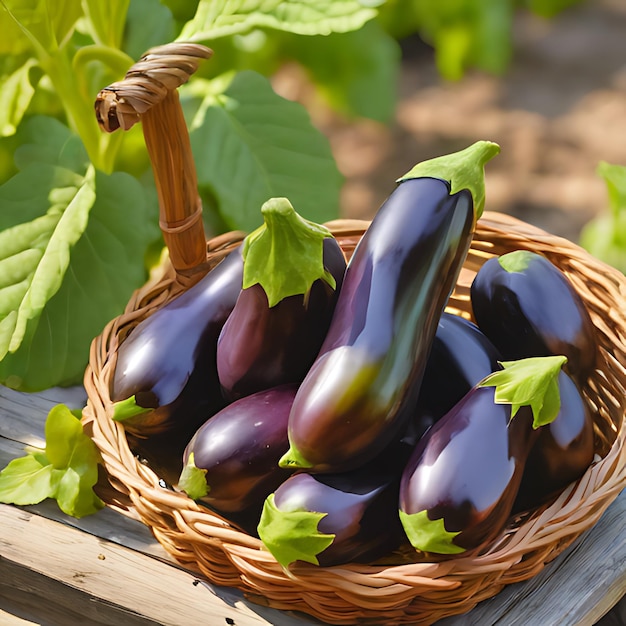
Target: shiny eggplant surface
[(459, 486), (261, 346), (563, 452), (355, 397), (330, 519), (234, 455), (528, 307), (460, 357), (165, 374)]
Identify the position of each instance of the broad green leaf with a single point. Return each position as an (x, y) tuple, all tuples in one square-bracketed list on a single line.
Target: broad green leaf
[(429, 535), (605, 235), (37, 250), (250, 145), (47, 141), (356, 72), (27, 480), (220, 18), (13, 41), (529, 382), (16, 92), (463, 170), (106, 266), (106, 20), (66, 472), (193, 480), (292, 535), (149, 23), (47, 23), (285, 255)]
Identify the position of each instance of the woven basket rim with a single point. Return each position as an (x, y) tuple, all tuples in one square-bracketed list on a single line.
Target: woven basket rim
[(402, 592)]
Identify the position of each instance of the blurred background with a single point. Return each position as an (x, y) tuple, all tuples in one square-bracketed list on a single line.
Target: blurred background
[(557, 108)]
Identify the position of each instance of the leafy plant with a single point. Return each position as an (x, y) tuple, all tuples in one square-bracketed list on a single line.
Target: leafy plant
[(605, 235), (78, 209)]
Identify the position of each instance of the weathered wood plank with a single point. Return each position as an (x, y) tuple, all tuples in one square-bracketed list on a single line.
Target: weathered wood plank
[(114, 576)]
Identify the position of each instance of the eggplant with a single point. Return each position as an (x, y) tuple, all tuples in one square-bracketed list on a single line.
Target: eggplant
[(277, 326), (166, 374), (231, 462), (331, 519), (460, 357), (459, 487), (528, 307), (563, 451), (358, 395)]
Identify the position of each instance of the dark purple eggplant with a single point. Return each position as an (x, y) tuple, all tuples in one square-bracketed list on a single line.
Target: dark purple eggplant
[(460, 484), (528, 307), (270, 340), (231, 462), (166, 375), (461, 356), (331, 519), (357, 396), (563, 451)]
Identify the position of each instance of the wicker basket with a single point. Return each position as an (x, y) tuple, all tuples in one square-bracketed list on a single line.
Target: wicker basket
[(401, 589)]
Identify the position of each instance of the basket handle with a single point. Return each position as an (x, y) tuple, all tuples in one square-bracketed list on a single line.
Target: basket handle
[(149, 93)]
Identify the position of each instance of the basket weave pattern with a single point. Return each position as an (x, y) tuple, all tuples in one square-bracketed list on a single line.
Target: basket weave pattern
[(402, 589)]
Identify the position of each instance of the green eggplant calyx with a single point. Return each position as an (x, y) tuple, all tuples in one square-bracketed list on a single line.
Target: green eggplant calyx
[(529, 382), (293, 459), (463, 170), (429, 535), (193, 480), (127, 409), (292, 535), (286, 254), (516, 261)]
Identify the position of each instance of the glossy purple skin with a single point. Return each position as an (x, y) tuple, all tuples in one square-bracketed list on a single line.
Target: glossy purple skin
[(168, 361), (240, 447), (354, 400), (262, 347), (535, 312), (467, 468), (563, 451), (361, 507), (461, 356)]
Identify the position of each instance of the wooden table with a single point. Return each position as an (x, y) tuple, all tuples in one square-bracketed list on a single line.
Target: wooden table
[(108, 569)]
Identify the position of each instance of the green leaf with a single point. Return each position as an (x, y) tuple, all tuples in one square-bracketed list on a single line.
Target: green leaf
[(615, 179), (463, 170), (106, 266), (292, 535), (127, 409), (429, 535), (356, 72), (106, 20), (66, 472), (149, 23), (16, 92), (516, 261), (193, 480), (219, 18), (529, 382), (250, 145), (27, 480), (285, 255)]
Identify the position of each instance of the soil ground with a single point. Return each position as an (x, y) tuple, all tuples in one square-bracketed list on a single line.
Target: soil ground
[(558, 111)]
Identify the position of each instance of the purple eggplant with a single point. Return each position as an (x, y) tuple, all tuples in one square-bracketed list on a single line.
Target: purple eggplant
[(563, 451), (358, 395), (231, 462), (331, 519), (461, 356), (460, 484), (528, 307), (166, 375), (277, 326)]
